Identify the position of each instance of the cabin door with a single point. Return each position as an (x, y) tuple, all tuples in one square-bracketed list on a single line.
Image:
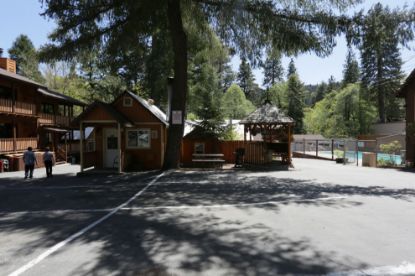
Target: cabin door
[(110, 148)]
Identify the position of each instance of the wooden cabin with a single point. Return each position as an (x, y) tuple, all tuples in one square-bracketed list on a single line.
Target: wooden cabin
[(407, 92), (129, 134), (31, 114)]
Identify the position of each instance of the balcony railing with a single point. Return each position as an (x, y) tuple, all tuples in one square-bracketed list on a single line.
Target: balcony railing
[(7, 144), (6, 106), (50, 119)]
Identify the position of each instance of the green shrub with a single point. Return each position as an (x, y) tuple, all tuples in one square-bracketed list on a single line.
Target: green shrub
[(392, 149)]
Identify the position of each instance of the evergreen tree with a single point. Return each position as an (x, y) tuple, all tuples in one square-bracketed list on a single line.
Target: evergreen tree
[(351, 72), (246, 78), (234, 103), (381, 60), (291, 69), (321, 91), (331, 84), (295, 95), (26, 57), (273, 70)]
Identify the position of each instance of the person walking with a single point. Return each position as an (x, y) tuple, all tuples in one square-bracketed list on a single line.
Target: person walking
[(48, 160), (29, 160)]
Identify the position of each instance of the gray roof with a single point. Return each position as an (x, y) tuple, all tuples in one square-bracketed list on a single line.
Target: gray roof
[(50, 93), (267, 114), (14, 76), (151, 107)]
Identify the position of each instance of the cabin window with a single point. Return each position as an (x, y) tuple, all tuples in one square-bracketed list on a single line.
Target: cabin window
[(128, 101), (63, 110), (47, 108), (138, 138), (199, 148)]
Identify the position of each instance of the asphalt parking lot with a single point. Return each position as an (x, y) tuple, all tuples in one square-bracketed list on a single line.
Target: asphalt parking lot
[(318, 218)]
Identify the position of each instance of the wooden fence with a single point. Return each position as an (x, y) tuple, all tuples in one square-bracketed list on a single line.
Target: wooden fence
[(255, 151)]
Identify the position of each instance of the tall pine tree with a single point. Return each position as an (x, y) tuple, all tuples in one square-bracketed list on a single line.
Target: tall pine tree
[(291, 69), (26, 57), (381, 60), (351, 72), (295, 94), (273, 70)]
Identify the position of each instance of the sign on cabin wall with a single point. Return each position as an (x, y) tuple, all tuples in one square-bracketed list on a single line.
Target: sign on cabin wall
[(176, 117)]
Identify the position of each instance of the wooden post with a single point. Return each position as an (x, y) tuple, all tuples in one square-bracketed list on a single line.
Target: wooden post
[(81, 146), (316, 148), (332, 149), (119, 149), (14, 135), (244, 133), (66, 148), (289, 144), (304, 148)]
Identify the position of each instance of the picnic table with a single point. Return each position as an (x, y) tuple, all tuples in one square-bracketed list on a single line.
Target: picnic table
[(215, 159)]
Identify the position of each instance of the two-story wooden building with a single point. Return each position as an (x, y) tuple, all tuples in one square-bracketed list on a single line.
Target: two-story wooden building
[(31, 114), (129, 134), (407, 91)]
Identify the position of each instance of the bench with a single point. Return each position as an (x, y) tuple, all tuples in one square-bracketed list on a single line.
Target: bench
[(215, 159)]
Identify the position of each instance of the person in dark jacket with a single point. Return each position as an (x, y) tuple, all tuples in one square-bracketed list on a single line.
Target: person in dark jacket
[(29, 160), (48, 160)]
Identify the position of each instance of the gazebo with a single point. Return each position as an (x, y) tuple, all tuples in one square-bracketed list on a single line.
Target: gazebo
[(275, 128)]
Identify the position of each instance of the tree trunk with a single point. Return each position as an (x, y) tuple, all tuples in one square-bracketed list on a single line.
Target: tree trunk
[(178, 100)]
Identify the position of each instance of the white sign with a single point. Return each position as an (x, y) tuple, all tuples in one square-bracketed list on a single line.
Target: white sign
[(176, 117)]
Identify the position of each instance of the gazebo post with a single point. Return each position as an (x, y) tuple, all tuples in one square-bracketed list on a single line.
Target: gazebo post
[(289, 144)]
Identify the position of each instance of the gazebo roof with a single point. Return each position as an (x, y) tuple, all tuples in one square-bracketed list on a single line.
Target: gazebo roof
[(267, 114)]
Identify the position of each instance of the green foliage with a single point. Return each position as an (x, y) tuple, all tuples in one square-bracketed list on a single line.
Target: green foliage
[(381, 61), (386, 163), (26, 57), (338, 153), (234, 103), (277, 94), (246, 81), (341, 114), (230, 134), (321, 92), (273, 70), (351, 72), (295, 95), (291, 69)]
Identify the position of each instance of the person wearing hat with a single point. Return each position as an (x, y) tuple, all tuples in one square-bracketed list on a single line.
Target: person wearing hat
[(29, 160), (48, 160)]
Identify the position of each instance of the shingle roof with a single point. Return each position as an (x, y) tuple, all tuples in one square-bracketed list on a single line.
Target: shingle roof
[(152, 108), (18, 77), (50, 93), (267, 114)]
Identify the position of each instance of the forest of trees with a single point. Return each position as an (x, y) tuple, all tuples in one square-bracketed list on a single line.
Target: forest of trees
[(97, 51)]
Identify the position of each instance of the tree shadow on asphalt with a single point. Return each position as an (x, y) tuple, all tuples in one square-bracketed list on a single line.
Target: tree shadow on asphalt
[(161, 241)]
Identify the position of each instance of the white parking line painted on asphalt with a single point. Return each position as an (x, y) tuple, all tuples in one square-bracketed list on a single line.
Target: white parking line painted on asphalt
[(274, 202), (405, 268), (61, 244)]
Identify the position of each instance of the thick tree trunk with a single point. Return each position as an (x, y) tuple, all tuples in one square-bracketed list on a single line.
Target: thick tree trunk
[(178, 100)]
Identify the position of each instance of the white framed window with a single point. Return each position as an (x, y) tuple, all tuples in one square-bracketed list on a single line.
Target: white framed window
[(199, 148), (128, 101), (138, 138)]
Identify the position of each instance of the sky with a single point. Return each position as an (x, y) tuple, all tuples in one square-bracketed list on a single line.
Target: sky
[(23, 17)]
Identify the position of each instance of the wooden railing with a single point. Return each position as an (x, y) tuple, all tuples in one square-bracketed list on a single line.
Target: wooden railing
[(46, 119), (7, 145), (25, 108), (6, 105), (50, 119)]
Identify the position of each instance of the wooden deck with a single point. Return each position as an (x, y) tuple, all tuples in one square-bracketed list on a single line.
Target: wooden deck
[(7, 144)]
